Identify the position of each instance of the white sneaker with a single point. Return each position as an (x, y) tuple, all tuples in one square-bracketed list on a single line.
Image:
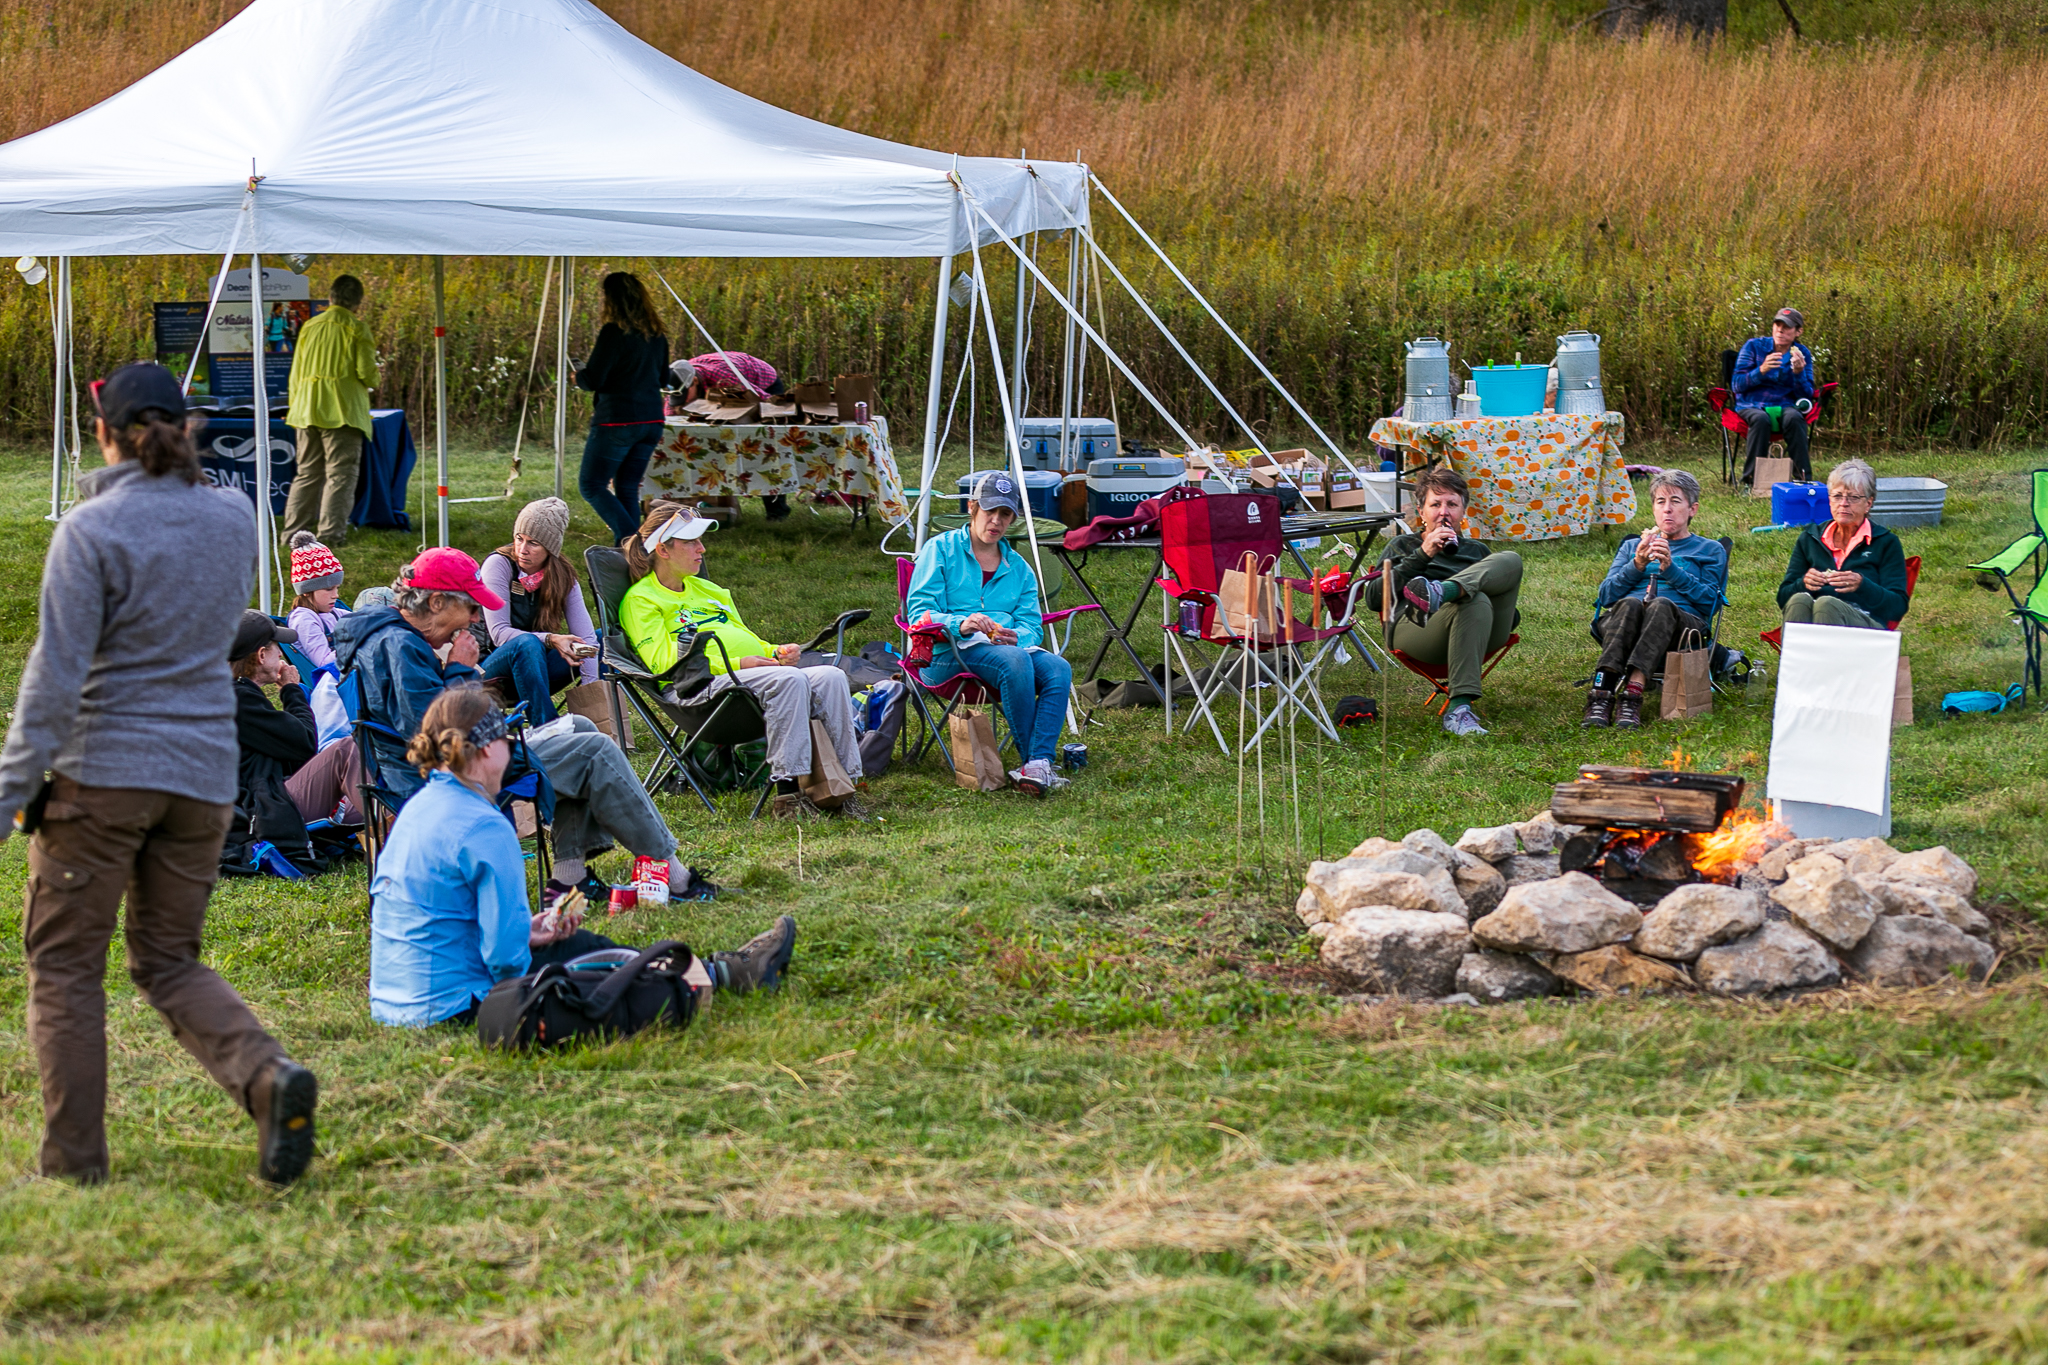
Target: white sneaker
[(1036, 777), (1058, 779), (1462, 721)]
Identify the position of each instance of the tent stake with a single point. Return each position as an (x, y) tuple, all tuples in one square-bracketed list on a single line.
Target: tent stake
[(441, 400), (931, 402)]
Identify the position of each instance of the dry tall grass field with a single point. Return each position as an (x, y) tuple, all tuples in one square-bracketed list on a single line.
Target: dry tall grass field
[(1338, 176)]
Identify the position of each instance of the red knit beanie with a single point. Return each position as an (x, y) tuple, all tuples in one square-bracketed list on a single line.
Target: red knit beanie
[(313, 565)]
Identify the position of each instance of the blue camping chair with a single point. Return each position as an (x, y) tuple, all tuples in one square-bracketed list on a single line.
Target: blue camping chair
[(1723, 664)]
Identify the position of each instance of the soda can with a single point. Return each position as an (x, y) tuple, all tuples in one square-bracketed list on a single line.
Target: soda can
[(1073, 756), (1190, 618), (624, 898)]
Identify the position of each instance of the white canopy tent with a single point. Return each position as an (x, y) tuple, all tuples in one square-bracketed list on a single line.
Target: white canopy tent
[(482, 127)]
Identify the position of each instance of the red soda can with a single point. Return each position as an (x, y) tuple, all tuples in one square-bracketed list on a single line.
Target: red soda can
[(624, 898)]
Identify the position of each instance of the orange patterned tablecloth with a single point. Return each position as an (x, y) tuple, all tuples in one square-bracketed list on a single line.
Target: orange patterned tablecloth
[(709, 462), (1532, 478)]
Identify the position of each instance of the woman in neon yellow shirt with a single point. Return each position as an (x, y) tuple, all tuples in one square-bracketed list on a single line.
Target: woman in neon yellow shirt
[(670, 601)]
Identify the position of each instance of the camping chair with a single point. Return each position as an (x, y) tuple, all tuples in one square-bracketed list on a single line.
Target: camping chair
[(1202, 537), (2032, 611), (1735, 431), (1716, 667), (1438, 676), (963, 688), (725, 721), (1775, 636), (380, 803)]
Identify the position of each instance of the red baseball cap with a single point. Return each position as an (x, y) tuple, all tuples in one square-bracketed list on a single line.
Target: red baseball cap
[(450, 570)]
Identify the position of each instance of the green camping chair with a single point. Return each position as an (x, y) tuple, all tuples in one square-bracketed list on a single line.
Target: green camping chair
[(2008, 564)]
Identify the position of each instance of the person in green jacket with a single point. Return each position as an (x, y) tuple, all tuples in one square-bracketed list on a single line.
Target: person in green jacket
[(1849, 571), (334, 367), (671, 603)]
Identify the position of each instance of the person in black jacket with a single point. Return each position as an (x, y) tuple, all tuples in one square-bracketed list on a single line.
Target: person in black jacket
[(625, 370), (1849, 571), (284, 778)]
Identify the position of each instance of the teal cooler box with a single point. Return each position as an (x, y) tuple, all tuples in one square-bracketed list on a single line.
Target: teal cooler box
[(1041, 490), (1117, 486), (1799, 504)]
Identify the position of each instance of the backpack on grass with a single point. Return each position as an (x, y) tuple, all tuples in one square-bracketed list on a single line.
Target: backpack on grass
[(608, 994)]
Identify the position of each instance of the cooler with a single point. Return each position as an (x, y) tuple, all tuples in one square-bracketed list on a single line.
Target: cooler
[(1799, 504), (1041, 489), (1090, 438), (1117, 486)]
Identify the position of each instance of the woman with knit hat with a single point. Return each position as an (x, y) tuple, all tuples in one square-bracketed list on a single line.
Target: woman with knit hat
[(317, 610), (542, 638)]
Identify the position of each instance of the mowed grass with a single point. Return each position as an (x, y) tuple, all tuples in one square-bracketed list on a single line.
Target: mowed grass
[(1061, 1080)]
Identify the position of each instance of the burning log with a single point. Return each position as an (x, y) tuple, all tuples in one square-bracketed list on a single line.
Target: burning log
[(1646, 798)]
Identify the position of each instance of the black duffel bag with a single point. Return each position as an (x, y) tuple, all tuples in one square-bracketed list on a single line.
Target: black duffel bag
[(579, 999)]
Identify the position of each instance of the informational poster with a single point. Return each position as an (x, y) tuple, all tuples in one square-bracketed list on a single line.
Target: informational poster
[(226, 372), (180, 333)]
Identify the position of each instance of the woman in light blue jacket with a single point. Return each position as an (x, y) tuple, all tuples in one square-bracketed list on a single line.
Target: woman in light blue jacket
[(986, 597)]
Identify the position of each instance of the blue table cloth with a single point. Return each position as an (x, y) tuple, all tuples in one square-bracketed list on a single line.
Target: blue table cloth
[(227, 450)]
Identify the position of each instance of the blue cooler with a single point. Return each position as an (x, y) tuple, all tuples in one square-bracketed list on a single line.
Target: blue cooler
[(1041, 490), (1116, 487), (1800, 504), (1089, 438)]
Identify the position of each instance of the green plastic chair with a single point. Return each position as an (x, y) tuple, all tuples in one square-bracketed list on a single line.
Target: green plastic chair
[(2009, 564)]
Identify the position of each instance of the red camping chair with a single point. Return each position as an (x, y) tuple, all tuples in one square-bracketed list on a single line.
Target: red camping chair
[(1204, 536), (1735, 431), (963, 688), (1775, 636), (1438, 676)]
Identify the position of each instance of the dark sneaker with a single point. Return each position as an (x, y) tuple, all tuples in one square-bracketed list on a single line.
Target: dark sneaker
[(1426, 595), (1628, 711), (855, 809), (282, 1100), (1599, 709), (1462, 721), (796, 806), (776, 507), (758, 966)]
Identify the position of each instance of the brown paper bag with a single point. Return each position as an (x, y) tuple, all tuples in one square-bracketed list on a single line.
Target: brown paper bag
[(1688, 680), (848, 389), (1902, 694), (1769, 470), (977, 762), (828, 786), (594, 700), (1265, 602)]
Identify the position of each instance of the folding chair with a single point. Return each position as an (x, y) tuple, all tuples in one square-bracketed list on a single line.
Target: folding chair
[(1775, 636), (1735, 431), (2031, 612), (1438, 676), (726, 720), (1202, 537), (380, 803), (1715, 667)]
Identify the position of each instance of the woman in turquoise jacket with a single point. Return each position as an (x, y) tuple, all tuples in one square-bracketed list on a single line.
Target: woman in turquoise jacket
[(986, 597)]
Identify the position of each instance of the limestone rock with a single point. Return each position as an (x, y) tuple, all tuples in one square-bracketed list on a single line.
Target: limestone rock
[(1373, 847), (1429, 844), (1346, 885), (1695, 917), (1820, 864), (1776, 957), (1400, 859), (1309, 906), (1402, 952), (1914, 950), (1322, 930), (1832, 907), (1864, 857), (1480, 885), (1924, 898), (1610, 970), (1772, 865), (1461, 998), (1497, 978), (1568, 914), (1492, 843), (1936, 865), (1540, 833), (1523, 868)]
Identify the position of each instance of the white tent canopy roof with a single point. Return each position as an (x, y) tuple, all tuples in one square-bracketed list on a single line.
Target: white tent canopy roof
[(483, 127)]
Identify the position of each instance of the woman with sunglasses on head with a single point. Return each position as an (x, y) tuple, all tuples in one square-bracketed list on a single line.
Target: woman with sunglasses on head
[(450, 917), (672, 602), (128, 704), (625, 370)]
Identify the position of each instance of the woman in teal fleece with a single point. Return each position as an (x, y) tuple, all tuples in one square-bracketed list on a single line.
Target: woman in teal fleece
[(986, 597)]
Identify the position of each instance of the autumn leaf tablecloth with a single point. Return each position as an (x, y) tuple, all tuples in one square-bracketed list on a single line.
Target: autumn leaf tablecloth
[(761, 461)]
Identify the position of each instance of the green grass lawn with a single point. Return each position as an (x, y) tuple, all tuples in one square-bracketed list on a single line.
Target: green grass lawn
[(1062, 1080)]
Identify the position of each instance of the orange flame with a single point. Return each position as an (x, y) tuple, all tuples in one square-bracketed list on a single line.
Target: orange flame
[(1743, 838)]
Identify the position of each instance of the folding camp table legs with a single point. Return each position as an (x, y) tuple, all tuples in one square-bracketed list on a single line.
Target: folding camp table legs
[(1111, 630), (1364, 549)]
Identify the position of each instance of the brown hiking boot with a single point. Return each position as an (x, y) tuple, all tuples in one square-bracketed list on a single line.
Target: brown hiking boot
[(796, 806), (1628, 711), (282, 1100), (1599, 709)]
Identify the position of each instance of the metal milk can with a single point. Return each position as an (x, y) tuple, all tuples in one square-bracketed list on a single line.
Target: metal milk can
[(1429, 394), (1578, 374)]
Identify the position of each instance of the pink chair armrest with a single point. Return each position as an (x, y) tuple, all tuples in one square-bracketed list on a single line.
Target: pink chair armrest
[(1054, 618)]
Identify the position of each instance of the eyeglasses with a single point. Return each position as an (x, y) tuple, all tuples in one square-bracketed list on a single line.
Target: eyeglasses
[(1843, 495)]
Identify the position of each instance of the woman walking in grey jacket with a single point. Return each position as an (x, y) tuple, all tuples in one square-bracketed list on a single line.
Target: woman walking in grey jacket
[(122, 761)]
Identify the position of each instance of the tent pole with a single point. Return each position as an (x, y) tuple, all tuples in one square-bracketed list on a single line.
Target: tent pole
[(1067, 356), (441, 397), (60, 327), (931, 401), (1017, 347), (260, 402), (1016, 460), (561, 374)]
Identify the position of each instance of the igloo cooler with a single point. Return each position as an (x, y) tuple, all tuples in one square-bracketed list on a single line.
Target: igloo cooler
[(1116, 487)]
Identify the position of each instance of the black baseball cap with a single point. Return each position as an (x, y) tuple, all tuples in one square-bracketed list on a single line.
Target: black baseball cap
[(123, 396), (256, 631), (996, 490), (1792, 318)]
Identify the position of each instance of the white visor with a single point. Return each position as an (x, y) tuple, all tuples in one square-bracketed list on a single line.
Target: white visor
[(679, 527)]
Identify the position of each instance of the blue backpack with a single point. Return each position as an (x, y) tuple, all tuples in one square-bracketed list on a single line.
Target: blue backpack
[(1956, 703)]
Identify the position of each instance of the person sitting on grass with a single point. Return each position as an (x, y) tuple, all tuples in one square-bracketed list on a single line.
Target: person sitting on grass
[(316, 610), (970, 581), (592, 797), (450, 917), (1661, 584), (285, 780), (542, 638), (670, 603), (1460, 595), (1849, 571)]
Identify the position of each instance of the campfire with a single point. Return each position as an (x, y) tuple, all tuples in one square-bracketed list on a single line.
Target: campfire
[(1645, 831)]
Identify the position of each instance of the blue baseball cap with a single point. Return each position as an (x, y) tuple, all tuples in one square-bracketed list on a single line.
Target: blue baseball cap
[(997, 490)]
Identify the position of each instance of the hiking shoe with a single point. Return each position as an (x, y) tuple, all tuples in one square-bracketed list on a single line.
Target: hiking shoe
[(1461, 720), (796, 806), (1599, 709), (1426, 595), (1035, 777), (1628, 710), (758, 966), (776, 507), (853, 808), (282, 1101)]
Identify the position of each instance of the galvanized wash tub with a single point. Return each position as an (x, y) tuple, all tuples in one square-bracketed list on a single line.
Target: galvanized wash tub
[(1905, 502)]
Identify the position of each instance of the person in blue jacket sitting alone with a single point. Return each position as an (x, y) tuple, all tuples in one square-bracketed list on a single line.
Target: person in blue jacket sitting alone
[(1662, 583), (1775, 372), (972, 583), (449, 915)]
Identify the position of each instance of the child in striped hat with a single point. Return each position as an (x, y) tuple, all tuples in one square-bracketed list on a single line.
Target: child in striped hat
[(316, 578)]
